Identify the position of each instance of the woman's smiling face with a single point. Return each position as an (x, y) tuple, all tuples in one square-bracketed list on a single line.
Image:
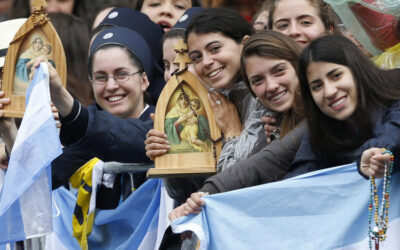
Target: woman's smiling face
[(299, 20), (215, 58), (274, 81), (333, 89), (122, 99)]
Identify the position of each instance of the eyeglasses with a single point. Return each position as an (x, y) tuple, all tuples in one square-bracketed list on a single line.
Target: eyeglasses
[(120, 77)]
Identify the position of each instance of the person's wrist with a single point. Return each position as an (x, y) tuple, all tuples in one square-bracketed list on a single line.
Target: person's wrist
[(56, 89), (62, 100), (232, 132)]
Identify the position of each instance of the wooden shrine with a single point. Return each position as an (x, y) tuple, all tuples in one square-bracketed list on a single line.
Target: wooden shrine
[(36, 38), (184, 113)]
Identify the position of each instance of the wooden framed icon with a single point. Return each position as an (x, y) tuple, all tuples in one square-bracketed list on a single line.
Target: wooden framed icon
[(184, 113), (36, 38)]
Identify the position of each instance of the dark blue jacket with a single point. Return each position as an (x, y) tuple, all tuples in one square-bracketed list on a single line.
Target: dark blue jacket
[(386, 134), (90, 132)]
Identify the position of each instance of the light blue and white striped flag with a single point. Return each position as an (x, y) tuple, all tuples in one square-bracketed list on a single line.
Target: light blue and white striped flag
[(326, 209), (25, 199), (138, 222)]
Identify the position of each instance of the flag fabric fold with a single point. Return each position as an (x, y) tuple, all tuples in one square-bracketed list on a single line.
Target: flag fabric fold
[(133, 224), (25, 198), (326, 209)]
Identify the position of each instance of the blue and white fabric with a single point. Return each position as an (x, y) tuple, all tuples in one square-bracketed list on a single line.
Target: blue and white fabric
[(25, 198), (137, 223), (326, 209)]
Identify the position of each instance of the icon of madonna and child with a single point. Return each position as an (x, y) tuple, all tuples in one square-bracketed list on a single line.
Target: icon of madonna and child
[(185, 122), (34, 47)]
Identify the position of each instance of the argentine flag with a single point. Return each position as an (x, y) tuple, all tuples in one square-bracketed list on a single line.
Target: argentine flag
[(326, 209), (138, 222), (25, 198)]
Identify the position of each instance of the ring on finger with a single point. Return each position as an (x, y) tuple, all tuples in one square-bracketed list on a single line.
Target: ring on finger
[(218, 102)]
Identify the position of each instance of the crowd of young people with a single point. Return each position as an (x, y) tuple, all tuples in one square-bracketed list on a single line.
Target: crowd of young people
[(293, 97)]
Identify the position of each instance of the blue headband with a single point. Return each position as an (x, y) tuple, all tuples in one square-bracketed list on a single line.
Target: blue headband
[(139, 22), (126, 38), (188, 15)]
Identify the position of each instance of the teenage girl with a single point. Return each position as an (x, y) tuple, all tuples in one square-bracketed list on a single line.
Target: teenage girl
[(215, 39), (302, 20), (269, 63), (351, 106)]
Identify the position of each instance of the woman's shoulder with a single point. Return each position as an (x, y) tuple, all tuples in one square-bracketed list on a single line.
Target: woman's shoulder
[(385, 113)]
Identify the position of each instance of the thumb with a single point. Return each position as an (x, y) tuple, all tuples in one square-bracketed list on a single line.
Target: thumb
[(152, 116)]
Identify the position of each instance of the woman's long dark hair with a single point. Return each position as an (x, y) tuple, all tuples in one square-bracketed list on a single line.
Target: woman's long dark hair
[(376, 88)]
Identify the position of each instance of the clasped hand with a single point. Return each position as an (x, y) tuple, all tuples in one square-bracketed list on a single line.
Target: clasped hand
[(372, 162)]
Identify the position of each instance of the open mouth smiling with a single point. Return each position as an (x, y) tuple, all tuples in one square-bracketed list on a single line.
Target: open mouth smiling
[(214, 73), (115, 98), (278, 96), (338, 102)]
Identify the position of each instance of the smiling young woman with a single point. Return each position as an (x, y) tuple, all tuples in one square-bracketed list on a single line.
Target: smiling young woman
[(119, 82), (215, 40), (302, 20), (351, 105), (269, 64), (368, 122), (215, 58), (113, 129), (333, 89)]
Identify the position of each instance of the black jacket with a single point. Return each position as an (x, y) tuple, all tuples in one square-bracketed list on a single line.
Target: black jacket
[(90, 132), (385, 134)]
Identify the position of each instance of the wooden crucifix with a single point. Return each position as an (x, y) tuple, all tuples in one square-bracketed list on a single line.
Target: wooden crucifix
[(182, 57)]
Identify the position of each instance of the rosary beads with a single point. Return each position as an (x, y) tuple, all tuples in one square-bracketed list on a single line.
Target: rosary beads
[(377, 232)]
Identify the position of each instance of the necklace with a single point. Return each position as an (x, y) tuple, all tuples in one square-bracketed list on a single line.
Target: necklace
[(378, 227)]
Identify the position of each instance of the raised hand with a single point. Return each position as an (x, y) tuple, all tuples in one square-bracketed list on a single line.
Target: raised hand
[(270, 126), (226, 114), (156, 143), (59, 95)]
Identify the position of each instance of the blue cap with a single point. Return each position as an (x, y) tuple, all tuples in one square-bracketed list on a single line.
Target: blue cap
[(151, 32), (139, 22), (126, 38), (188, 15)]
